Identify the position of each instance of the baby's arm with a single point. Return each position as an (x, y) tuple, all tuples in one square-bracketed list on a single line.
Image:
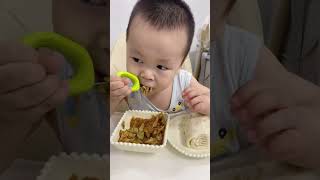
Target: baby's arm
[(272, 88), (197, 97), (30, 87), (281, 112)]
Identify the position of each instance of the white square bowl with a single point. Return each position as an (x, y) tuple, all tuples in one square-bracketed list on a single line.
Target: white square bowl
[(146, 148)]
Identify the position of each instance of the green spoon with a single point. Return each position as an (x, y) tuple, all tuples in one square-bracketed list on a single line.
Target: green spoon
[(132, 77), (76, 55)]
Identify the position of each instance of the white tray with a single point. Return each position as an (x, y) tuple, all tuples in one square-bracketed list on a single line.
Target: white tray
[(83, 165), (176, 139)]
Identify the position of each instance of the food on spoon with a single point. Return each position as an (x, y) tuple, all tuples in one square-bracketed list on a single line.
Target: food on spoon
[(146, 90)]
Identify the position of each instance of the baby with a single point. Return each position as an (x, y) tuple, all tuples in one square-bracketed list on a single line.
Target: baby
[(159, 36)]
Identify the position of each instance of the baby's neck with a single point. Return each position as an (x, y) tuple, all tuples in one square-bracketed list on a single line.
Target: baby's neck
[(162, 99)]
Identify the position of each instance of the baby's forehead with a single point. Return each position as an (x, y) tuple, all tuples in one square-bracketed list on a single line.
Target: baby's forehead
[(139, 20), (142, 35)]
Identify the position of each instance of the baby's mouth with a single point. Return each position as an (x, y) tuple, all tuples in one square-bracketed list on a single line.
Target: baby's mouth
[(145, 89)]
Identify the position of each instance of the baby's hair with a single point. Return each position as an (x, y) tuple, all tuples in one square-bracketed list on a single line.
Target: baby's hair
[(165, 15)]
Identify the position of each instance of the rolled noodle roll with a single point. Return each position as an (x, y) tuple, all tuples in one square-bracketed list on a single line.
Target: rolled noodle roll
[(197, 132)]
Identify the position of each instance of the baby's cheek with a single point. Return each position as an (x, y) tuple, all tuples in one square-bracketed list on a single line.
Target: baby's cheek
[(132, 69)]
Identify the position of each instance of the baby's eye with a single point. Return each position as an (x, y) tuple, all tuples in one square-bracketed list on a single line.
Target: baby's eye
[(137, 60), (162, 67), (99, 3)]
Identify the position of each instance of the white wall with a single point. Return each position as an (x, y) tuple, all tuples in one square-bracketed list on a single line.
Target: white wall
[(120, 11)]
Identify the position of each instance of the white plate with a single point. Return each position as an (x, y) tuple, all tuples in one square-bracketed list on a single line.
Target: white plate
[(176, 139), (83, 165), (146, 148)]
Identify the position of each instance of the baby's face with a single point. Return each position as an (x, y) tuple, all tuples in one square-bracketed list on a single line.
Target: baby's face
[(155, 56), (85, 23)]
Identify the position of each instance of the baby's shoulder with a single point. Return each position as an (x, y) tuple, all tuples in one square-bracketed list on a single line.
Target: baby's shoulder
[(240, 42), (183, 75), (237, 48), (182, 79)]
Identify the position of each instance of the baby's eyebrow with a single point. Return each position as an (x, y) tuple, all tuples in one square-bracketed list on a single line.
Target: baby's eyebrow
[(136, 51), (164, 60)]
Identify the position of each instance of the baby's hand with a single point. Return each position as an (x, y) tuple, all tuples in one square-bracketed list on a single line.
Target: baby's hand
[(197, 98), (286, 127), (30, 84), (119, 89)]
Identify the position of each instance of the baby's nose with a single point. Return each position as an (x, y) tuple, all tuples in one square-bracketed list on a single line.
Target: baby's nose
[(147, 75)]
